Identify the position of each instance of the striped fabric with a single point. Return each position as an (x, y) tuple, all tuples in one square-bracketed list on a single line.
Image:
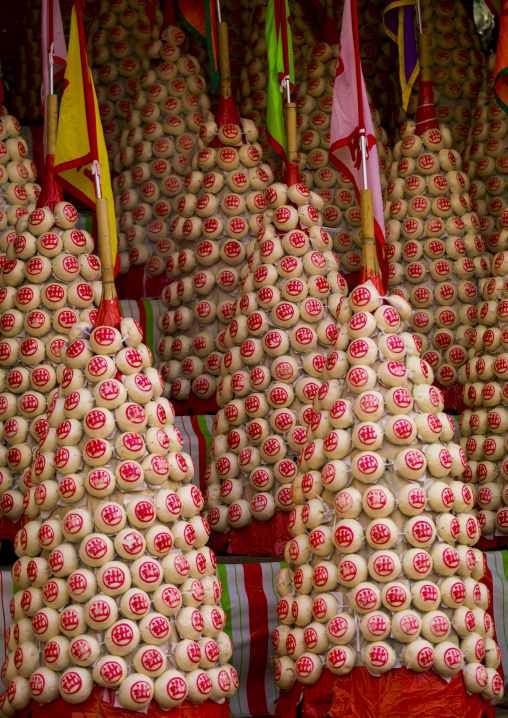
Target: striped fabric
[(6, 592), (497, 562), (146, 312), (86, 221), (250, 600), (197, 436)]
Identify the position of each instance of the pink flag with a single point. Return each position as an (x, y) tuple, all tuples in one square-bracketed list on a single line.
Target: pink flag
[(349, 122), (53, 41)]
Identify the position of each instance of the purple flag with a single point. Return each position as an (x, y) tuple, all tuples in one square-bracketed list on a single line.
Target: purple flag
[(399, 22)]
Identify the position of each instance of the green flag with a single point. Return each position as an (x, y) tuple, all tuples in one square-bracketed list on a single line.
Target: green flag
[(279, 45), (198, 18)]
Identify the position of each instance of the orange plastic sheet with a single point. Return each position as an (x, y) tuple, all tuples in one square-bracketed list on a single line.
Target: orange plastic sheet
[(101, 705), (396, 694)]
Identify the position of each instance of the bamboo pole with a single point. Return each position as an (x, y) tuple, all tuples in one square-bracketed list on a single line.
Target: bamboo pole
[(108, 271), (329, 8), (52, 123), (370, 264), (291, 134), (425, 58), (225, 70), (291, 171), (425, 116)]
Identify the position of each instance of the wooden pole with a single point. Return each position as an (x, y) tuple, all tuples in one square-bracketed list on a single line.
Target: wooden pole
[(425, 116), (370, 264), (108, 271), (425, 58), (291, 134), (329, 8), (291, 170), (52, 124), (225, 70)]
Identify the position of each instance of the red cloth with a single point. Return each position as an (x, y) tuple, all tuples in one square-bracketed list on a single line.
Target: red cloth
[(51, 192), (100, 705), (352, 279), (425, 117), (9, 529), (110, 314), (227, 113), (486, 544), (396, 694), (137, 284), (256, 539), (291, 174), (198, 406), (329, 32)]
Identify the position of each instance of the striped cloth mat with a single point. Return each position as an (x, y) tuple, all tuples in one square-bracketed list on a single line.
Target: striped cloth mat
[(197, 437), (7, 589), (496, 579), (250, 601)]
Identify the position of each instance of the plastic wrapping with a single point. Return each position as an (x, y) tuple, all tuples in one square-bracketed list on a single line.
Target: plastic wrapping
[(396, 693)]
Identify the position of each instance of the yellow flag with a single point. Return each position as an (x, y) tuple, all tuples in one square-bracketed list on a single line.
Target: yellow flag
[(80, 145)]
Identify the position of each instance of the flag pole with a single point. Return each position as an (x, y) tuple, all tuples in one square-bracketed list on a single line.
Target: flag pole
[(108, 271), (51, 193), (52, 121), (291, 173), (52, 98), (369, 268), (104, 239), (225, 69), (370, 264), (291, 140), (425, 116), (109, 313)]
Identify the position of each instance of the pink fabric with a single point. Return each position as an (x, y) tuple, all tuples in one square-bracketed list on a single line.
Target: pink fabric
[(345, 149)]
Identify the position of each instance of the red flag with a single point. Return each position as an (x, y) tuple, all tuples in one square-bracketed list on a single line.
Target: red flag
[(349, 122), (198, 18)]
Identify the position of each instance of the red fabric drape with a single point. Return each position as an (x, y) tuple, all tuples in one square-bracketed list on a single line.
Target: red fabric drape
[(396, 694)]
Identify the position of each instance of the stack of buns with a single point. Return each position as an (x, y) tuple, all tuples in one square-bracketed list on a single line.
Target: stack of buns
[(382, 570)]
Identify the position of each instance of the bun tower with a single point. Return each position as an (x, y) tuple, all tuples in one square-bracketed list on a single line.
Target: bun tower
[(213, 224), (152, 99), (119, 599), (383, 574)]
